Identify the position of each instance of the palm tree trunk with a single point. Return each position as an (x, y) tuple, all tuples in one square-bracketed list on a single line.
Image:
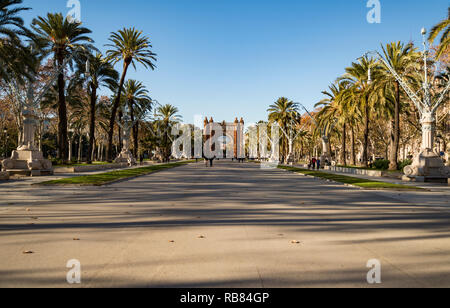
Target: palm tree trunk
[(130, 106), (80, 148), (344, 151), (120, 132), (395, 134), (62, 112), (365, 158), (116, 104), (92, 123), (70, 150), (136, 139), (353, 158)]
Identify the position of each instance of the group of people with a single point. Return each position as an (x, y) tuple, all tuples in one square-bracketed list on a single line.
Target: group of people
[(314, 164)]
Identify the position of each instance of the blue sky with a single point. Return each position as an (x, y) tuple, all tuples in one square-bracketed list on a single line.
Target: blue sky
[(236, 57)]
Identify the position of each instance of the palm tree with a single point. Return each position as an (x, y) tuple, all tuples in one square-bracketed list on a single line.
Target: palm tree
[(101, 73), (360, 92), (403, 58), (131, 47), (283, 112), (15, 58), (11, 25), (337, 110), (78, 120), (57, 35), (166, 117), (139, 102), (444, 27)]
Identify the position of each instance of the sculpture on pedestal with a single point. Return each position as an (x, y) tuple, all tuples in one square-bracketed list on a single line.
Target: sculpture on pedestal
[(125, 155), (27, 159)]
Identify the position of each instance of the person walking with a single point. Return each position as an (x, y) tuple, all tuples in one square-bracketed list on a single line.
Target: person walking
[(318, 164), (314, 163)]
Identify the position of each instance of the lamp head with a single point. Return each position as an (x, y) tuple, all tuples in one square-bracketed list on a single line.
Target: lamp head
[(424, 31)]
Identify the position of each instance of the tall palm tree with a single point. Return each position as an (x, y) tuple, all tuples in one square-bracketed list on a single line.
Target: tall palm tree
[(57, 35), (283, 112), (444, 28), (131, 47), (139, 102), (337, 110), (360, 92), (403, 58), (101, 73)]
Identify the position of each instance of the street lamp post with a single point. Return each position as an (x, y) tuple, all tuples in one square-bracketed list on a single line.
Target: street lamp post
[(427, 165)]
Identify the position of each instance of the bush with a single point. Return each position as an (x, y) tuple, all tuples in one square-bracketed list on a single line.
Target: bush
[(404, 163), (381, 164)]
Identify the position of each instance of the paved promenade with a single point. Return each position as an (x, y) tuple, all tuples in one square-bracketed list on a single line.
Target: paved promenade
[(234, 225)]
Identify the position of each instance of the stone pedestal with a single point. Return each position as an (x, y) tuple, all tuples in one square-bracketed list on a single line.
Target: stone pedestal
[(427, 167), (4, 176), (326, 157), (126, 157), (27, 163), (290, 159)]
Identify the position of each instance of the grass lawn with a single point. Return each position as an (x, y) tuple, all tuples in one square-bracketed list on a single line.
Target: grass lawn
[(84, 164), (364, 183), (109, 177)]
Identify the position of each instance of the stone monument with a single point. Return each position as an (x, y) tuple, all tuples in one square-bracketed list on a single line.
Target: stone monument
[(427, 165), (126, 156), (27, 159)]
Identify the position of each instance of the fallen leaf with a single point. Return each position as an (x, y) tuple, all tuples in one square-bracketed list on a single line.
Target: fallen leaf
[(295, 242), (201, 236), (76, 239), (28, 210), (172, 241), (34, 218), (27, 252)]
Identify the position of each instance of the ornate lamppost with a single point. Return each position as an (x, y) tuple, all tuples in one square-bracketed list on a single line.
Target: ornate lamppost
[(427, 165)]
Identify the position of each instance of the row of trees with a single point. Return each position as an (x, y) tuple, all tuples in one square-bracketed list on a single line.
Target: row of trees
[(368, 108), (29, 58)]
